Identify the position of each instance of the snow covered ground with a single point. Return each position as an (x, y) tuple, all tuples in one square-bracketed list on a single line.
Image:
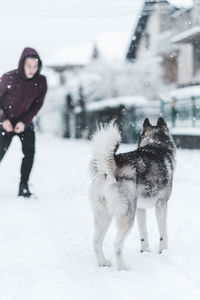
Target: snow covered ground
[(46, 244)]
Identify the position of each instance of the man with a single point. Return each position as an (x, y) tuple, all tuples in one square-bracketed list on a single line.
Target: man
[(22, 93)]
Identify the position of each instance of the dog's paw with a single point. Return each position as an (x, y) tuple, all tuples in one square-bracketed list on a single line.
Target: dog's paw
[(163, 245), (144, 250), (161, 249), (104, 263), (144, 246), (122, 267)]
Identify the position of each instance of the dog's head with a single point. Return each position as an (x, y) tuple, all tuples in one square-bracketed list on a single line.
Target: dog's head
[(158, 135)]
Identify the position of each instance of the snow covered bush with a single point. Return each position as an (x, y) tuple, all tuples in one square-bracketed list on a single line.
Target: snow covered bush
[(102, 79)]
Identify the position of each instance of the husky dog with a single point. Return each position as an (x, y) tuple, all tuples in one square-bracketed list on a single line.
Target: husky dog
[(126, 182)]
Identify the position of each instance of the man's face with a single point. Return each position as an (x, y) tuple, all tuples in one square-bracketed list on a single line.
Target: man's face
[(30, 67)]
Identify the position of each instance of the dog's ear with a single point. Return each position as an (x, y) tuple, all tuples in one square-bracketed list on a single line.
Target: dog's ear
[(146, 123), (162, 123), (147, 127)]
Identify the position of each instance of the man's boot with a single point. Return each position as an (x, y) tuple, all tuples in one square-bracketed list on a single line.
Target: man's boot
[(24, 190)]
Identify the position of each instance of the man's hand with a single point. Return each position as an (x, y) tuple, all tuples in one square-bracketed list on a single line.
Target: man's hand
[(19, 127), (7, 126)]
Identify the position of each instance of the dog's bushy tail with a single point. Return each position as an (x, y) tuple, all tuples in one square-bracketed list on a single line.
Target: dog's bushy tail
[(105, 143)]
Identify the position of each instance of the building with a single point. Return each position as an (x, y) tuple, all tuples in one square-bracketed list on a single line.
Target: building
[(172, 33)]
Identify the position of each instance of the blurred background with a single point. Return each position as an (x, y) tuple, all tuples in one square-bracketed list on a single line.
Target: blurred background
[(109, 59), (103, 59)]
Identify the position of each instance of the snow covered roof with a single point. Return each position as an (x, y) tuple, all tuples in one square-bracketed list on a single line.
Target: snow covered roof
[(71, 55), (186, 131), (186, 36), (115, 102), (181, 3), (111, 46), (186, 92), (182, 93), (146, 11)]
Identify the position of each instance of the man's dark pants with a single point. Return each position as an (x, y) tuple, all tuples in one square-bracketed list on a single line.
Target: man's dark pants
[(27, 139)]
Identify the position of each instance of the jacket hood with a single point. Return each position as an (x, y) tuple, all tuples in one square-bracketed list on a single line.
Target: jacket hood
[(28, 52)]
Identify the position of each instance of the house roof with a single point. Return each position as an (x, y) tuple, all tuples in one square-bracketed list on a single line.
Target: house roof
[(140, 27), (111, 45), (70, 56)]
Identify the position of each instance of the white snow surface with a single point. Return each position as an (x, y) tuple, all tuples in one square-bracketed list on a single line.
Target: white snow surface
[(46, 244)]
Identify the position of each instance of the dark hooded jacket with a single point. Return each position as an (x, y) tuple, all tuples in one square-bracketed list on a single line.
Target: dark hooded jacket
[(21, 98)]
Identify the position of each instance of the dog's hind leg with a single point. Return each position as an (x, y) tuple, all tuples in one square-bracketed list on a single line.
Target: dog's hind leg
[(161, 215), (142, 226), (124, 225), (102, 221)]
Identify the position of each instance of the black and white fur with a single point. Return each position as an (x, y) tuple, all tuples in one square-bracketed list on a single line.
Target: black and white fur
[(126, 182)]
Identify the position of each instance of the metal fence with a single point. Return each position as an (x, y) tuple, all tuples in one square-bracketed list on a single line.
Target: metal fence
[(182, 112), (129, 119)]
